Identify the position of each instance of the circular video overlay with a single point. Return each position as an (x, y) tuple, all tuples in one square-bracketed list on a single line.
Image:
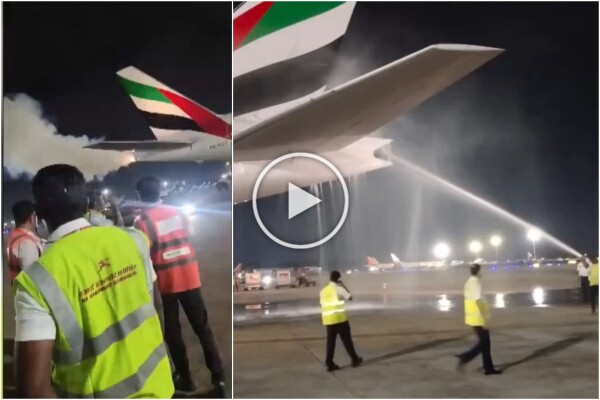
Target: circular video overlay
[(299, 199)]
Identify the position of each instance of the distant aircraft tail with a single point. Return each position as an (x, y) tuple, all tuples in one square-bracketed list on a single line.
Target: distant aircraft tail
[(167, 111), (372, 261), (285, 47)]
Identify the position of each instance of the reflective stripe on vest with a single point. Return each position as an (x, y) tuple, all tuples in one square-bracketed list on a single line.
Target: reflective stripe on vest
[(332, 308), (127, 386), (81, 349), (593, 276), (172, 253)]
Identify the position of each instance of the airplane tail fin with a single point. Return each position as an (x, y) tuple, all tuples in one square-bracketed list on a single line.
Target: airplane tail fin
[(371, 261), (395, 259), (167, 111), (288, 47)]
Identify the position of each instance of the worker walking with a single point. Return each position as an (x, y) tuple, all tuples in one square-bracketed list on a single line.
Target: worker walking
[(24, 247), (583, 269), (593, 276), (175, 263), (476, 315), (335, 320), (86, 322)]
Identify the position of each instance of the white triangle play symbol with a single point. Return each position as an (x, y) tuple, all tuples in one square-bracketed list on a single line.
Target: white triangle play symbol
[(299, 200)]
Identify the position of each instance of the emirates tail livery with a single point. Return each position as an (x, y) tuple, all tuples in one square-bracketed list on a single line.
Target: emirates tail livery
[(184, 130), (283, 54)]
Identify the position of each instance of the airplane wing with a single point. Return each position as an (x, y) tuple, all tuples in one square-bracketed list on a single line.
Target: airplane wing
[(145, 145), (345, 114)]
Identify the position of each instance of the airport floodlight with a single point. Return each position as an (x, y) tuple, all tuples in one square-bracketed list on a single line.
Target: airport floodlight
[(227, 163), (188, 209), (496, 241), (441, 251), (105, 192), (475, 246), (165, 183), (533, 235)]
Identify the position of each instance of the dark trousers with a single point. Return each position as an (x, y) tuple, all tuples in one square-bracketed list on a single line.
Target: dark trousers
[(193, 305), (594, 297), (342, 329), (585, 288), (483, 346)]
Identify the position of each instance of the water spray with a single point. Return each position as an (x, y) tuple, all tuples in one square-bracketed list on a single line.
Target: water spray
[(482, 202)]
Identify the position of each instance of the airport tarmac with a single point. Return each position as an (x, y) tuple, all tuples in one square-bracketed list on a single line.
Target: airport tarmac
[(408, 331), (212, 241)]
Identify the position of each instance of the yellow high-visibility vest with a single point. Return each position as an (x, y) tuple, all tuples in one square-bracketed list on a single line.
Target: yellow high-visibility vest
[(473, 316), (332, 308), (593, 275), (109, 342)]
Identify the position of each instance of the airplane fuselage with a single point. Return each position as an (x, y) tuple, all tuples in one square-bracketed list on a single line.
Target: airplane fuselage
[(208, 148)]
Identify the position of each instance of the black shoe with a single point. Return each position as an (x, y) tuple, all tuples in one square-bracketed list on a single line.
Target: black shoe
[(460, 365), (493, 372), (218, 383), (357, 362), (183, 384), (332, 367)]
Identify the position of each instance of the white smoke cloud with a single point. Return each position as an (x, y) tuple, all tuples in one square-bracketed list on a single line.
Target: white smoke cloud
[(31, 142)]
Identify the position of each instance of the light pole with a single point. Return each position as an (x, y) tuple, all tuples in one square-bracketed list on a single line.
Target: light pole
[(475, 246), (534, 235), (496, 241), (441, 251)]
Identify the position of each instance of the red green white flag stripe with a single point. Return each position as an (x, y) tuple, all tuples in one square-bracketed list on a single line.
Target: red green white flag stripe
[(166, 109)]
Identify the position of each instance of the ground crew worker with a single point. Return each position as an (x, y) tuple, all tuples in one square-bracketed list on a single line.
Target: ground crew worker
[(583, 269), (175, 263), (86, 322), (476, 315), (24, 247), (96, 207), (335, 320), (594, 285)]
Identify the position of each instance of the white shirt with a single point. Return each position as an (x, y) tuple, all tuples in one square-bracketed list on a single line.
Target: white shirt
[(582, 270), (33, 322), (98, 219), (473, 290), (343, 293)]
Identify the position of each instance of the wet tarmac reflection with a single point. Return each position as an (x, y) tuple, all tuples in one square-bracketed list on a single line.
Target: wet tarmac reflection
[(537, 297)]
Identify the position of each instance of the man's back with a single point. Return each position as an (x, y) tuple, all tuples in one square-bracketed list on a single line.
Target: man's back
[(173, 255), (94, 283)]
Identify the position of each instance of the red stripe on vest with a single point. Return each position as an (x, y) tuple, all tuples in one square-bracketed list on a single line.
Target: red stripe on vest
[(178, 273)]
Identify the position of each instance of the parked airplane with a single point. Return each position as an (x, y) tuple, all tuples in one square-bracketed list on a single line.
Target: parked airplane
[(184, 130), (373, 265), (282, 103)]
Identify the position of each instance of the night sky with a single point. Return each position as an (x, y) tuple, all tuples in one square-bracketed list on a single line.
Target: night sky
[(522, 131), (66, 55)]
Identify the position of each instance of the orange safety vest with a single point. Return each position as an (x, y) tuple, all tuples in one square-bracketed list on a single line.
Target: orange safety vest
[(172, 252), (15, 239)]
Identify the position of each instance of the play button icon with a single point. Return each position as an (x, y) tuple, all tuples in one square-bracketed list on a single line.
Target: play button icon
[(299, 200)]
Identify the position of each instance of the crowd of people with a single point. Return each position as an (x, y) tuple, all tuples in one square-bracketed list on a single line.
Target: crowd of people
[(96, 302)]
